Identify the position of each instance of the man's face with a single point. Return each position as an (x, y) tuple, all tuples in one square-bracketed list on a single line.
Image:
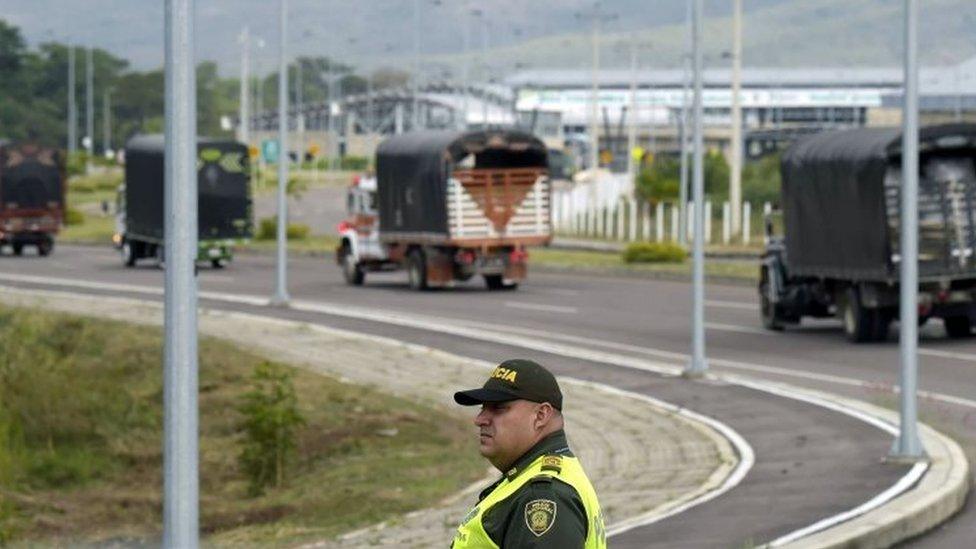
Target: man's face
[(507, 430)]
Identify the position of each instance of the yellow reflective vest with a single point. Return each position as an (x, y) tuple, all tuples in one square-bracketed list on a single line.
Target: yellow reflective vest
[(471, 534)]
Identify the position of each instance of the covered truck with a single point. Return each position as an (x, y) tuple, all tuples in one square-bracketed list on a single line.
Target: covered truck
[(31, 196), (223, 200), (449, 205), (839, 253)]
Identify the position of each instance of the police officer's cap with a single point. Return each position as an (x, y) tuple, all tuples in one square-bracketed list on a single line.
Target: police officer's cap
[(512, 380)]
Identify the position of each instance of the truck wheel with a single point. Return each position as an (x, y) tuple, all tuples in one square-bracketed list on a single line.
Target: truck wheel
[(417, 270), (957, 326), (44, 248), (128, 254), (860, 324), (767, 309), (496, 282), (217, 263), (18, 249), (351, 270)]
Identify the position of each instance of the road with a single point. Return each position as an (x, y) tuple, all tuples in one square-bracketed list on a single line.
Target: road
[(810, 463)]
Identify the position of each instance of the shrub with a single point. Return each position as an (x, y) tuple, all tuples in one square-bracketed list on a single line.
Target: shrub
[(654, 252), (268, 229), (271, 418), (354, 163), (73, 216)]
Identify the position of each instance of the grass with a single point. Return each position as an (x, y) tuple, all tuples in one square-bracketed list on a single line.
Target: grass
[(80, 432), (746, 270)]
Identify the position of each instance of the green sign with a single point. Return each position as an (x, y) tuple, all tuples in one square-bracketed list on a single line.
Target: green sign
[(269, 150)]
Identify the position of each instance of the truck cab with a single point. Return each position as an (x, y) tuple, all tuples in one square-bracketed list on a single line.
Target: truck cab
[(359, 248)]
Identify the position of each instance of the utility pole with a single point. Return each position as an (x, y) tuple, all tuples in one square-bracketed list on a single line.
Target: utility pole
[(683, 130), (244, 128), (466, 67), (72, 106), (281, 288), (89, 104), (735, 183), (107, 120), (181, 484), (595, 96), (698, 366), (908, 446), (632, 129), (416, 64)]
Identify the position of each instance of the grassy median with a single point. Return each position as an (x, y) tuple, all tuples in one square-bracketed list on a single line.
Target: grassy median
[(81, 432)]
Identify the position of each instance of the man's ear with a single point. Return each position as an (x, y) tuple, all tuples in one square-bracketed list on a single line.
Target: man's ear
[(544, 414)]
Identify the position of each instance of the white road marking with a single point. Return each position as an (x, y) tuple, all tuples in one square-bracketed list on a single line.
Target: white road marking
[(541, 307), (731, 304), (737, 328), (947, 354)]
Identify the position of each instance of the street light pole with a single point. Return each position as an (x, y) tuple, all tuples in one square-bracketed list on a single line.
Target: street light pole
[(416, 64), (683, 131), (632, 128), (698, 366), (735, 183), (107, 120), (180, 369), (72, 106), (907, 445), (244, 128), (595, 96), (281, 287), (90, 103)]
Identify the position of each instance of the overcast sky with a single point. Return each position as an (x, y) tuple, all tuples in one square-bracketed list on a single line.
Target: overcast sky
[(133, 29)]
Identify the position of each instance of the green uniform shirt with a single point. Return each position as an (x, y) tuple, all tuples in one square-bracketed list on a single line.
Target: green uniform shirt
[(505, 522)]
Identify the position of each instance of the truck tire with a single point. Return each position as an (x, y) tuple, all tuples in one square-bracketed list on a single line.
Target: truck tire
[(18, 249), (128, 253), (217, 263), (45, 247), (958, 326), (417, 270), (767, 309), (351, 270), (497, 282), (860, 323)]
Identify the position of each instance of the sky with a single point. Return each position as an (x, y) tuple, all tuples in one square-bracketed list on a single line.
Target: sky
[(368, 29)]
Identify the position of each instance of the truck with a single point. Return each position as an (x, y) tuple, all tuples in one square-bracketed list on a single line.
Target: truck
[(839, 251), (447, 206), (32, 192), (223, 201)]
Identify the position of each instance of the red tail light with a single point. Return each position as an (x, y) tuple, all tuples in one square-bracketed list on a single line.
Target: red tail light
[(343, 226), (518, 256)]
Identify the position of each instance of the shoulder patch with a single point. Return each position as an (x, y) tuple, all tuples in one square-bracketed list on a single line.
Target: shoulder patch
[(540, 515), (552, 463)]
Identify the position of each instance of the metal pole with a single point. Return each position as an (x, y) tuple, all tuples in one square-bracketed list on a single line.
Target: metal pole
[(281, 288), (697, 366), (908, 445), (72, 107), (595, 96), (244, 127), (735, 183), (466, 67), (107, 121), (180, 453), (90, 103), (416, 64), (683, 131), (632, 128)]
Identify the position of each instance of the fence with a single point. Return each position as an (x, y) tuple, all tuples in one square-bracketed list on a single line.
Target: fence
[(629, 220)]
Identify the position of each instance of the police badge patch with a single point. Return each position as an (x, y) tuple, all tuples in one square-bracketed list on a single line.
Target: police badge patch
[(540, 515)]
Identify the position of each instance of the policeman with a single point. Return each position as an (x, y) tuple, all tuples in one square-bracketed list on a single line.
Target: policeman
[(543, 498)]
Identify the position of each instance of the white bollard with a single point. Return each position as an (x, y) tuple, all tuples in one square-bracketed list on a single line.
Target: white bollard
[(767, 209), (632, 216), (746, 222), (621, 217), (675, 218), (726, 223), (708, 222), (605, 219), (659, 222), (594, 229)]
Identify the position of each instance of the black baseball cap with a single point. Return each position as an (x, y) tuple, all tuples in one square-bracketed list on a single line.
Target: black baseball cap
[(514, 379)]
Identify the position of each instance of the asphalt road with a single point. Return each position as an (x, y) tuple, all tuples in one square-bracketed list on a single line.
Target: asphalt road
[(809, 463)]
